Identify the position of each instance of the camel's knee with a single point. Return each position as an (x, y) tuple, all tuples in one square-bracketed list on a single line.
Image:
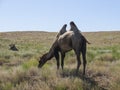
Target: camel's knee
[(78, 60), (78, 64), (85, 62), (62, 66)]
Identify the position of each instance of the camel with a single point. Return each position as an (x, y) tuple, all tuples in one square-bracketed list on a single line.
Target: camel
[(70, 40)]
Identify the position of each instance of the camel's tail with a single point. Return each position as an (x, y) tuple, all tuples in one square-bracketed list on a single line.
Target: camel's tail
[(86, 40)]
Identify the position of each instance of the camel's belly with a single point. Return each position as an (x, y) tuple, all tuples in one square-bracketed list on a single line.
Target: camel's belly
[(65, 48), (65, 42)]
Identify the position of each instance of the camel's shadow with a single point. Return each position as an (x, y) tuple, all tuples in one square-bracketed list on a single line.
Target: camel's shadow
[(70, 73), (88, 82)]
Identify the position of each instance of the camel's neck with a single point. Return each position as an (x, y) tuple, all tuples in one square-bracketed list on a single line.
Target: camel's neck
[(52, 50), (50, 55)]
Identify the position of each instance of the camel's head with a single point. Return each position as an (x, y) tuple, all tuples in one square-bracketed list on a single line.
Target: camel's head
[(42, 60)]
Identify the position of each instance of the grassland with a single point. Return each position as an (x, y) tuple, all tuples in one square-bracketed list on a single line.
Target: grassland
[(18, 69)]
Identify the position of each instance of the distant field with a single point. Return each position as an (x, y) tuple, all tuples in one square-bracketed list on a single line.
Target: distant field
[(18, 69)]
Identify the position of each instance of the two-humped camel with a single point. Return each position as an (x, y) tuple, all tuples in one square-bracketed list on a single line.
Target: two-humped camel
[(66, 41)]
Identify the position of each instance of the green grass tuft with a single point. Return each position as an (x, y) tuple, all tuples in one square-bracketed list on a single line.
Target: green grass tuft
[(28, 64)]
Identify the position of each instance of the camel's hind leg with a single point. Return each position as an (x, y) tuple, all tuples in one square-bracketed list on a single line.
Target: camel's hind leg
[(78, 60), (84, 62), (84, 57)]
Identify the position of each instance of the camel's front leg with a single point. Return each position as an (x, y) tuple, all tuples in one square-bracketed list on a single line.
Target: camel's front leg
[(57, 59), (62, 60)]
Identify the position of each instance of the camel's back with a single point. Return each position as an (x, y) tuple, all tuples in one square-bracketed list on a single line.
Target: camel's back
[(70, 40), (66, 35), (65, 42)]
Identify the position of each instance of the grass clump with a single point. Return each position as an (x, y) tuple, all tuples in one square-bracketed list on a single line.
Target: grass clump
[(6, 86), (91, 55), (116, 53), (106, 57), (61, 87), (28, 64)]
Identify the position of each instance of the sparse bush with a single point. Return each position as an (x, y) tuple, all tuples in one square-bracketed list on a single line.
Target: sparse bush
[(106, 57)]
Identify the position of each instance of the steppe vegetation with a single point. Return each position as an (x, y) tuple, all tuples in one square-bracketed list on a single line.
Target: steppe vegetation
[(19, 71)]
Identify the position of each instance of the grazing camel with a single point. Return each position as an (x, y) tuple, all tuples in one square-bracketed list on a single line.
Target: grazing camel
[(69, 40)]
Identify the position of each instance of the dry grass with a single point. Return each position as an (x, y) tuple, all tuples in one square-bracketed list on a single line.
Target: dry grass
[(18, 70)]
